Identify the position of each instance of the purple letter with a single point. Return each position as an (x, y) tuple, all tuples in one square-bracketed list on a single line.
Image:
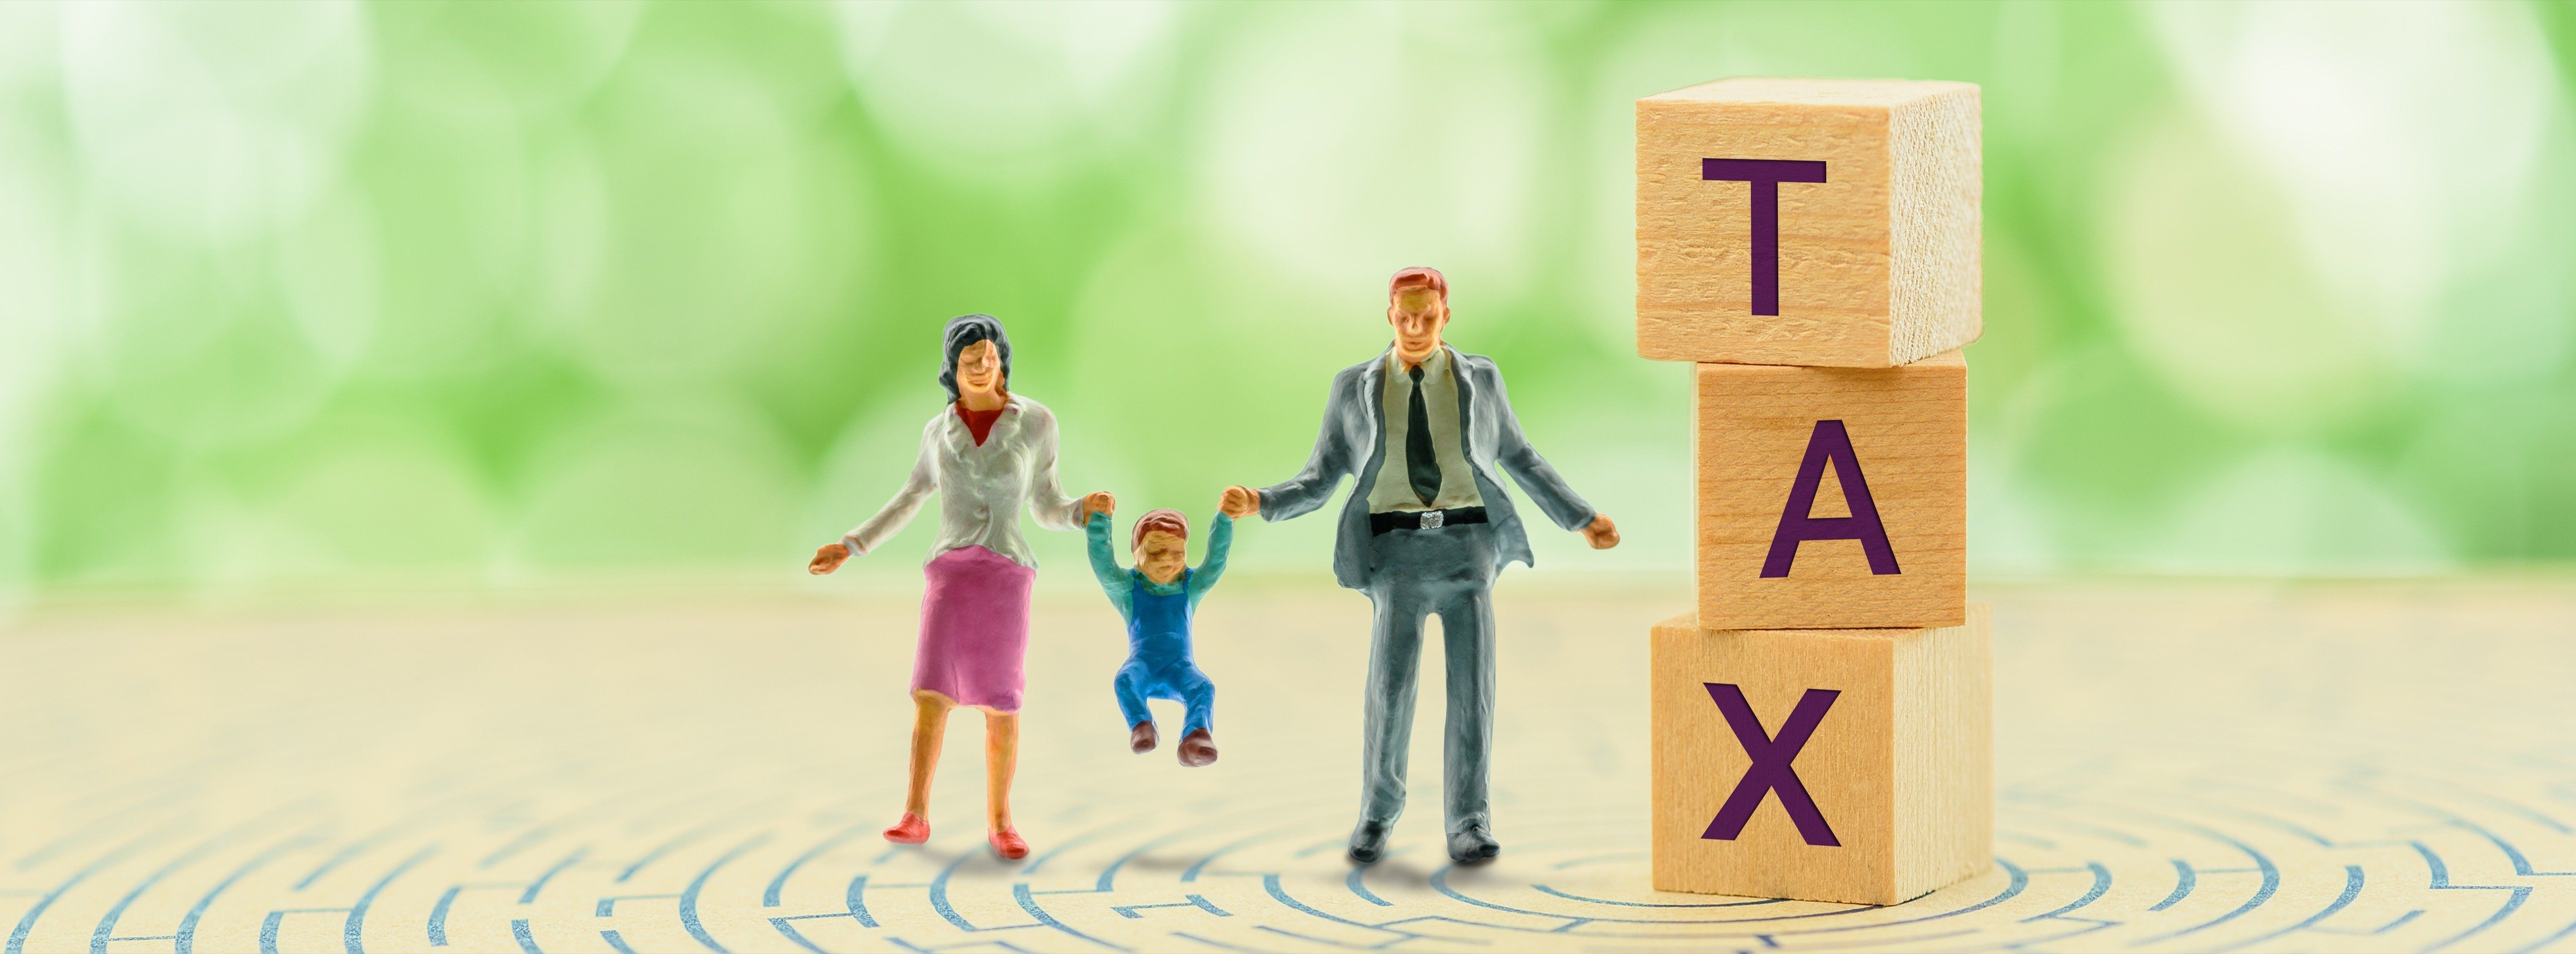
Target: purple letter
[(1766, 176), (1771, 758), (1829, 442)]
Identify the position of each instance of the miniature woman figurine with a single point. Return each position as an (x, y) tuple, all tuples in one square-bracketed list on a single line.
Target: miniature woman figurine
[(987, 454), (1158, 599)]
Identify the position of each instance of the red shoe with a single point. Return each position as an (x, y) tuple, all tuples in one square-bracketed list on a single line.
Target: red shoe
[(912, 830), (1007, 843)]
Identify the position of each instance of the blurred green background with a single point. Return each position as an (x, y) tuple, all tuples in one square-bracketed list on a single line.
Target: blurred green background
[(321, 294)]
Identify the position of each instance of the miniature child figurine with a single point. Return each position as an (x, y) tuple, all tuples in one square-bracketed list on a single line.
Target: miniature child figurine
[(988, 454), (1158, 598)]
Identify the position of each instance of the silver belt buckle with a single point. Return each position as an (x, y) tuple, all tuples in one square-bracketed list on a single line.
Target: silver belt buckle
[(1433, 519)]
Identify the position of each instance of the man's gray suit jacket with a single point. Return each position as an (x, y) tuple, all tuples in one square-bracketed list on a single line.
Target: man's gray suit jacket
[(1354, 416)]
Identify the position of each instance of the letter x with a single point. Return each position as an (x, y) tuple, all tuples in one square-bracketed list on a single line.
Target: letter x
[(1771, 758)]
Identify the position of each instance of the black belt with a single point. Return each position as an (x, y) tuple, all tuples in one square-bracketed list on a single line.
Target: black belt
[(1423, 519)]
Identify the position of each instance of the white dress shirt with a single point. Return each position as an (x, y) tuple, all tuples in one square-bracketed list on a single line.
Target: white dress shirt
[(981, 487), (1394, 490)]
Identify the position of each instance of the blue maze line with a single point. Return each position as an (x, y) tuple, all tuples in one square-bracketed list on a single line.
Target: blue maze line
[(2098, 831), (541, 831), (447, 900), (854, 897), (2441, 881), (607, 905), (2438, 870), (186, 941), (2562, 935), (1192, 873), (939, 899), (1570, 896), (351, 933), (2184, 880), (1355, 883), (616, 942), (1311, 939), (2271, 877), (2018, 881), (530, 896), (2101, 886), (527, 938), (1270, 883), (106, 931), (1596, 859), (2401, 921), (47, 851), (1043, 858), (769, 897), (527, 895), (674, 844), (909, 946), (1192, 901), (1029, 904), (1440, 883), (1219, 945), (2351, 889), (689, 896), (1109, 876), (27, 922), (268, 926)]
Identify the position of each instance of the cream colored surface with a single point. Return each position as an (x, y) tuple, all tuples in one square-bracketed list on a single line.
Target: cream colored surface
[(1394, 488), (1909, 427), (689, 772), (1879, 265), (1901, 767)]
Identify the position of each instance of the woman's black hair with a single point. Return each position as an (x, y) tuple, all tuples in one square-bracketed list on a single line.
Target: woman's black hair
[(965, 330)]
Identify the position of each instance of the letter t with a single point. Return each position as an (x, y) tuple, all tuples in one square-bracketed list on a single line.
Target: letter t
[(1765, 175)]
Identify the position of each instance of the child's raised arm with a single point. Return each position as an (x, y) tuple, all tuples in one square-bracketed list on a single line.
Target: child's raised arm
[(1104, 562), (1220, 539)]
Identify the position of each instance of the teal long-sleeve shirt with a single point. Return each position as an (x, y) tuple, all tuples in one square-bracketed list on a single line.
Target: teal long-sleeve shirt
[(1119, 583)]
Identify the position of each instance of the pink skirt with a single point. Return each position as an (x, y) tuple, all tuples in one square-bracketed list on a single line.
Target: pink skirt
[(974, 628)]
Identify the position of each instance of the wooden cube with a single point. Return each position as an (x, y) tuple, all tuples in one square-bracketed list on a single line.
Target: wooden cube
[(1852, 765), (1832, 497), (1817, 222)]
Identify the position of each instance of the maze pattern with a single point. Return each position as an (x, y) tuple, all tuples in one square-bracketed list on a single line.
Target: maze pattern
[(2224, 770)]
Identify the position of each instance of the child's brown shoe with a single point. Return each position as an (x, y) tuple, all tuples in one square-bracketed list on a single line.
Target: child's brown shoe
[(1198, 748), (1143, 739)]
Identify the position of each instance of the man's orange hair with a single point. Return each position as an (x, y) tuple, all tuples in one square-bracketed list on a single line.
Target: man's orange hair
[(1419, 277)]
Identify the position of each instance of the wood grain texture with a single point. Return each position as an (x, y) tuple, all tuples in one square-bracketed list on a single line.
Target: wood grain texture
[(1908, 427), (1901, 766), (1879, 265)]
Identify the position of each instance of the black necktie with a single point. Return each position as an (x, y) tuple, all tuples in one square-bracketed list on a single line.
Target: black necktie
[(1421, 463)]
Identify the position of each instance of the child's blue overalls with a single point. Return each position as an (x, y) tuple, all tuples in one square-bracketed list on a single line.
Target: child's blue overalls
[(1158, 657)]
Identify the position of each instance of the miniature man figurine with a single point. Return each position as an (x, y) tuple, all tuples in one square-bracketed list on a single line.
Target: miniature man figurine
[(1158, 598), (1427, 527), (988, 454)]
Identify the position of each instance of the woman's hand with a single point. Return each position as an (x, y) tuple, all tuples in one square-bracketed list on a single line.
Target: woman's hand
[(828, 558), (1100, 502)]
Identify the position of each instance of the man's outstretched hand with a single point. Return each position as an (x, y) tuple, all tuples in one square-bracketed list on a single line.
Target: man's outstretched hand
[(828, 558), (1601, 533), (1098, 502), (1239, 502)]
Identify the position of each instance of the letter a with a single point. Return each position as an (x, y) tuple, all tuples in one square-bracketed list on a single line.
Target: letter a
[(1829, 442)]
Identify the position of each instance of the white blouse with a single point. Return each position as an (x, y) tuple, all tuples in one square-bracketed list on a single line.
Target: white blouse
[(981, 488)]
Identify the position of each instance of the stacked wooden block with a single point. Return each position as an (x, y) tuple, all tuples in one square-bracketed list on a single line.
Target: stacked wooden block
[(1823, 723)]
